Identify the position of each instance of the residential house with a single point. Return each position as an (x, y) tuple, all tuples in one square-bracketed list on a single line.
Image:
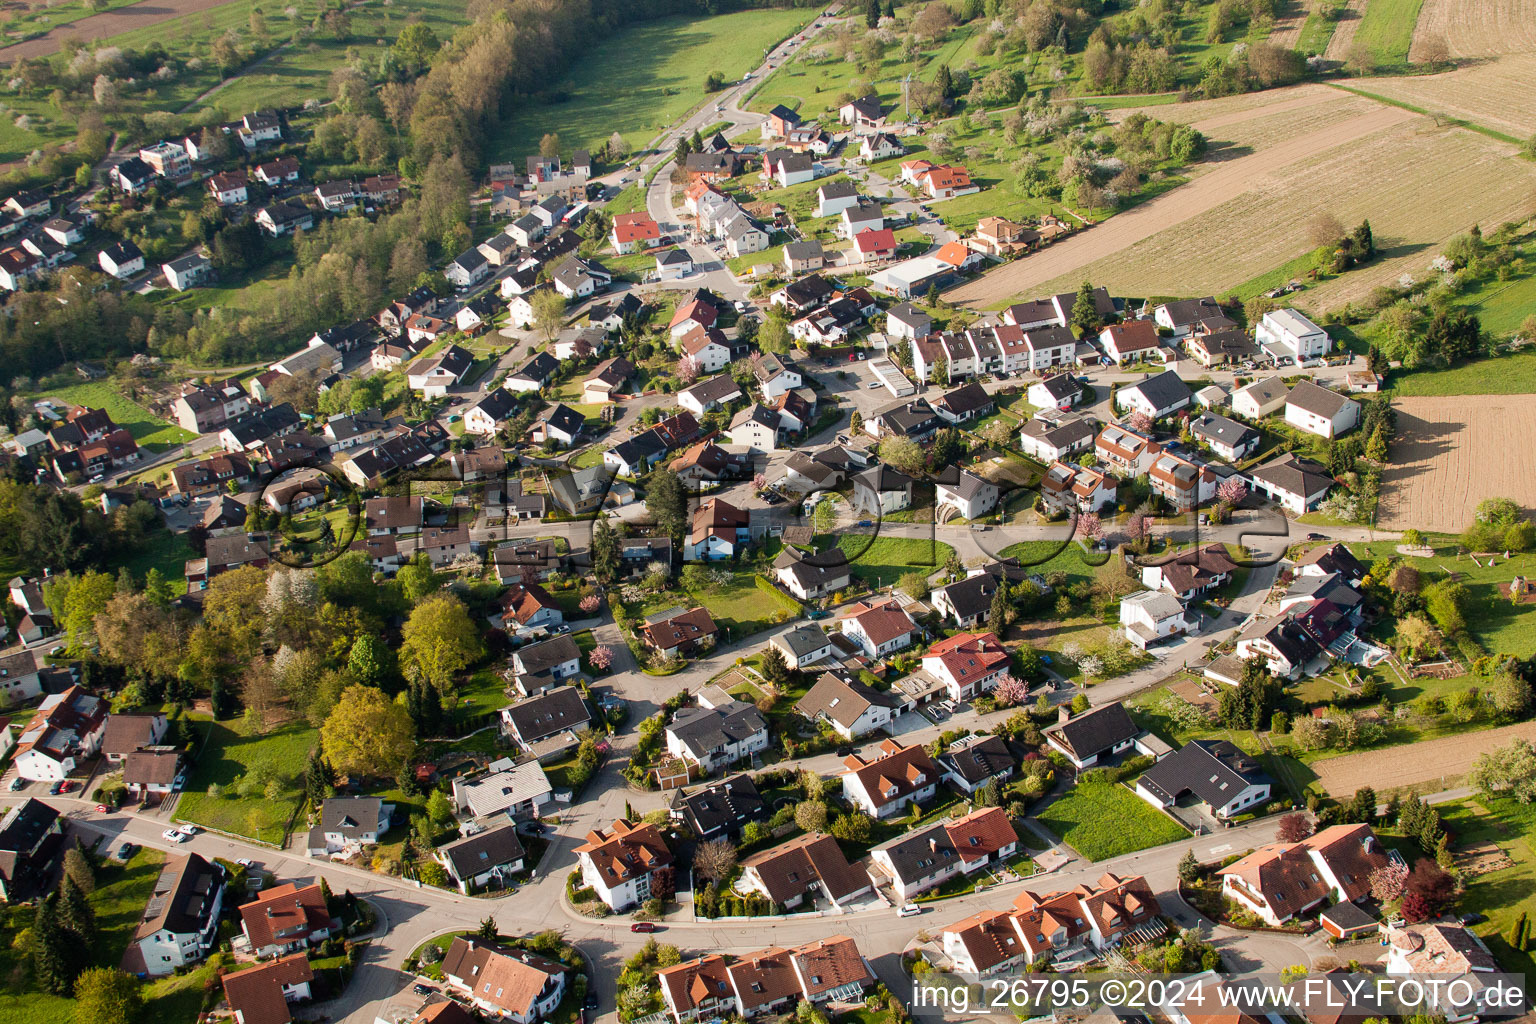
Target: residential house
[(774, 980), (1189, 574), (970, 496), (807, 870), (154, 772), (1297, 484), (924, 859), (998, 236), (708, 346), (560, 425), (285, 919), (633, 232), (180, 925), (203, 410), (504, 790), (881, 490), (622, 863), (1215, 773), (938, 181), (717, 737), (1050, 438), (1259, 399), (905, 320), (282, 171), (1321, 411), (486, 858), (885, 786), (347, 824), (1184, 316), (702, 310), (284, 218), (31, 843), (609, 378), (862, 217), (187, 271), (880, 627), (1060, 391), (880, 146), (1182, 483), (1221, 347), (833, 197), (1131, 341), (1330, 560), (1151, 616), (261, 995), (719, 530), (1060, 926), (121, 259), (965, 403), (502, 982), (533, 374), (1157, 396), (434, 376), (127, 732), (973, 764), (803, 256), (1447, 958), (526, 609), (66, 729), (755, 427), (133, 176), (1282, 881), (864, 115), (1099, 735), (547, 724), (851, 708), (1229, 439), (680, 632), (720, 809), (810, 577), (1287, 333), (967, 664)]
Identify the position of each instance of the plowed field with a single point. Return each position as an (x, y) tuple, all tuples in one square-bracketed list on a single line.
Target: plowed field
[(1452, 452)]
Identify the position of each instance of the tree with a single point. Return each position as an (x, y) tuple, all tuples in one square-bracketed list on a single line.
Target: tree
[(105, 995), (75, 912), (1085, 311), (1387, 881), (774, 335), (56, 954), (1189, 868), (606, 559), (548, 312), (367, 734), (774, 668), (600, 657), (914, 585), (417, 578), (487, 930), (439, 808), (1011, 691), (1141, 422), (715, 860), (1293, 828), (549, 145), (853, 827), (415, 45), (1511, 695), (1361, 808), (811, 815), (903, 454), (871, 13), (997, 615), (439, 639), (1231, 491), (77, 868), (1432, 890), (1507, 770), (667, 501), (618, 147)]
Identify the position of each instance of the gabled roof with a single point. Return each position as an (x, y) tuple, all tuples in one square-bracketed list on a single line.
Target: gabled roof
[(881, 621), (1215, 771), (257, 992), (1319, 401), (509, 979), (1095, 731), (1294, 475), (479, 853), (840, 699), (547, 714), (794, 869), (625, 851), (898, 772), (284, 914), (1163, 390), (723, 806)]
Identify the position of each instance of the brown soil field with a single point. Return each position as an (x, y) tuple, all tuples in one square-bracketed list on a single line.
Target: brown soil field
[(1477, 28), (1288, 24), (1451, 453), (1447, 758), (1344, 31), (1498, 94), (1278, 158), (103, 26)]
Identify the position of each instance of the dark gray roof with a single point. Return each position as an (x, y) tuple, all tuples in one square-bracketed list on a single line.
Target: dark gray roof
[(1215, 771), (563, 417), (837, 190), (183, 897), (979, 761), (708, 728), (547, 654), (478, 854), (803, 250), (1064, 434), (918, 854), (1319, 400), (816, 570), (722, 808), (971, 596), (968, 398), (1334, 557), (804, 640), (553, 711), (1294, 474), (881, 479), (1096, 731), (962, 481), (1182, 312), (497, 404), (1164, 390), (1063, 385), (1218, 428), (715, 389), (351, 815), (840, 699)]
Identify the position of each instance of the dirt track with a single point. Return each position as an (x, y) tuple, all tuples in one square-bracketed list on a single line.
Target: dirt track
[(1453, 452), (1219, 183), (103, 26), (1441, 761)]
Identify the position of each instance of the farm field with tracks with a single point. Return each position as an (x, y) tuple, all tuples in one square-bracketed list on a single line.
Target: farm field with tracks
[(1447, 758)]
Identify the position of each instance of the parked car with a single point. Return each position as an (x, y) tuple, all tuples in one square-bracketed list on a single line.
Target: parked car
[(192, 830), (56, 788), (125, 850), (246, 863), (422, 989), (910, 910), (175, 835), (17, 783), (642, 926)]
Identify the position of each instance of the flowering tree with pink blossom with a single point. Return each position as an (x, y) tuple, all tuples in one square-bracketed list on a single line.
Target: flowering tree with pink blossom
[(1011, 690), (688, 369), (1141, 422), (1138, 526), (591, 603), (1232, 491), (1089, 525), (759, 481), (1388, 880), (600, 657)]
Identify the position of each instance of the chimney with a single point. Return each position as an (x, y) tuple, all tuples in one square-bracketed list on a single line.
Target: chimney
[(933, 844), (1063, 713)]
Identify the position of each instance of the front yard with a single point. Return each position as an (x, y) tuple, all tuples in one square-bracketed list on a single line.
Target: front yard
[(231, 752), (1101, 820), (881, 561)]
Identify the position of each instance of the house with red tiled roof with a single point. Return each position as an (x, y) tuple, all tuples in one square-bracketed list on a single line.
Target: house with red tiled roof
[(527, 608), (67, 728), (679, 631), (633, 232), (968, 664), (260, 995), (698, 311), (620, 863), (939, 181), (830, 970), (502, 982), (879, 627), (719, 530), (697, 989), (918, 861), (810, 868), (886, 785), (1285, 880), (1058, 925), (285, 919)]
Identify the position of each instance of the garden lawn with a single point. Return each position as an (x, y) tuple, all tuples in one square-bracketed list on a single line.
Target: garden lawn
[(744, 608), (1102, 820), (881, 561), (1499, 895), (146, 428), (1048, 556), (643, 77), (231, 750)]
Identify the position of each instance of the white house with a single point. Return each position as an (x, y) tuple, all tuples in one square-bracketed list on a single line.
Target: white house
[(834, 197), (1150, 616), (1284, 880), (1259, 399), (187, 271), (181, 920), (919, 861), (716, 737), (968, 664), (848, 706), (1286, 332), (1321, 411), (1215, 773), (879, 628), (719, 530), (619, 863), (1297, 484), (503, 983), (885, 786), (1159, 395), (803, 645), (66, 730), (969, 495), (121, 259)]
